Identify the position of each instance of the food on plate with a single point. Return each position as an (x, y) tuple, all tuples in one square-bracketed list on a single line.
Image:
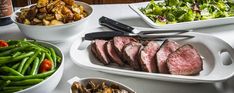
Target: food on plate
[(149, 56), (51, 12), (112, 54), (165, 50), (176, 11), (98, 49), (184, 61), (120, 42), (130, 53), (25, 63), (96, 87), (3, 43)]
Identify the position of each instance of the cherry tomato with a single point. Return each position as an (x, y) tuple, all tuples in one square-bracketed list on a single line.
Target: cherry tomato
[(45, 66), (3, 43)]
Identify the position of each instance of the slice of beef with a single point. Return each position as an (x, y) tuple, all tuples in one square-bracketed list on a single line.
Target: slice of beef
[(98, 49), (147, 57), (185, 61), (112, 53), (130, 53), (166, 48), (120, 41)]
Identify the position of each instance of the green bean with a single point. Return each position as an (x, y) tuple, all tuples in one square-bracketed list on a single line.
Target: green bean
[(59, 59), (53, 55), (2, 62), (15, 66), (10, 90), (37, 46), (22, 65), (37, 76), (5, 57), (4, 83), (12, 42), (29, 61), (42, 57), (35, 67), (7, 48), (49, 57), (11, 71), (26, 82), (8, 52), (16, 54), (14, 87)]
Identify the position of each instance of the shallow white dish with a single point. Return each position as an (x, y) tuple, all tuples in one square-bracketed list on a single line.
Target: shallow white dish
[(84, 81), (50, 83), (183, 25), (57, 33), (208, 46)]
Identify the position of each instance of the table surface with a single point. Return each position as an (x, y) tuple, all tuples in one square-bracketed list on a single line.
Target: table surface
[(123, 13)]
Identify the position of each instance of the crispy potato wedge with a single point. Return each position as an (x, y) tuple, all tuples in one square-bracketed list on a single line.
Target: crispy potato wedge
[(42, 3), (51, 12)]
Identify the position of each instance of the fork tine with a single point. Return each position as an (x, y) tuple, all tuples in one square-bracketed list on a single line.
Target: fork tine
[(164, 31), (166, 36)]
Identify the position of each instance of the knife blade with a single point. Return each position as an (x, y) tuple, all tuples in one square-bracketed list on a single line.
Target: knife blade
[(117, 26), (111, 34)]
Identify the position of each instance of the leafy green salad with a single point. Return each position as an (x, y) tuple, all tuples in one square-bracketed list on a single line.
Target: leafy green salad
[(176, 11)]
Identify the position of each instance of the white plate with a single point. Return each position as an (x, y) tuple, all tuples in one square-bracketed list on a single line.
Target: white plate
[(183, 25), (208, 46)]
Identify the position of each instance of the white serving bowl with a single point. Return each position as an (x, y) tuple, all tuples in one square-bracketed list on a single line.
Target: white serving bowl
[(49, 84), (58, 33), (84, 81)]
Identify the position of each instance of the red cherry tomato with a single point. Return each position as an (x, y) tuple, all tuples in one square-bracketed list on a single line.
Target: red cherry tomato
[(3, 43), (45, 66)]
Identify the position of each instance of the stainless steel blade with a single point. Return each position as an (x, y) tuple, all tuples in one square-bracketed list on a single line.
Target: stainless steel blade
[(84, 43)]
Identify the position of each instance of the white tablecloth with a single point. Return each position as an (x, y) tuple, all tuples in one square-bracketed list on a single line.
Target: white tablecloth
[(123, 13)]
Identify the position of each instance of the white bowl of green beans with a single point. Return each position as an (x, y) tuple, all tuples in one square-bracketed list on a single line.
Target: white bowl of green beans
[(30, 67)]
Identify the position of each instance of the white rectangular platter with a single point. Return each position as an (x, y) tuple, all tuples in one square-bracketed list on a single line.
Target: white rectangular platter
[(183, 25), (209, 47)]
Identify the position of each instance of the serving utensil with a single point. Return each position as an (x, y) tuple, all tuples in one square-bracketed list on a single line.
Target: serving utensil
[(142, 36), (117, 26)]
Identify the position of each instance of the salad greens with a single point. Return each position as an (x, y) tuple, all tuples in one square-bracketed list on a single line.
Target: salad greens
[(175, 11)]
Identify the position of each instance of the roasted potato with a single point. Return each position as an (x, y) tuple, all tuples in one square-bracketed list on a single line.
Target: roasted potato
[(43, 10), (46, 22), (51, 12), (56, 22), (69, 2), (32, 13), (42, 3)]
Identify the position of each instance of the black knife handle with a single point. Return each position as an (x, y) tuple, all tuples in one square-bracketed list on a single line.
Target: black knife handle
[(102, 35), (114, 25)]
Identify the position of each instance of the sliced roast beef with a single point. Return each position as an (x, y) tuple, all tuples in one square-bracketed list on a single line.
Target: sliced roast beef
[(166, 48), (112, 53), (184, 61), (120, 42), (130, 53), (147, 57), (98, 49)]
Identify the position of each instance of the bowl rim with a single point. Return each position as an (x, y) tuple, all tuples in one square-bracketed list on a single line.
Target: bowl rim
[(13, 16), (104, 79), (60, 67)]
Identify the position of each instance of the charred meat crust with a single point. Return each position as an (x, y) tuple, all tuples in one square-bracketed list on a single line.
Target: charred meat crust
[(147, 57), (166, 48), (185, 61), (112, 53), (130, 53), (119, 42), (100, 53)]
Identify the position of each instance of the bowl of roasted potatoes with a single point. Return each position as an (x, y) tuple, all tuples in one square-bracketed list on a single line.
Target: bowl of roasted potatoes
[(52, 20)]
